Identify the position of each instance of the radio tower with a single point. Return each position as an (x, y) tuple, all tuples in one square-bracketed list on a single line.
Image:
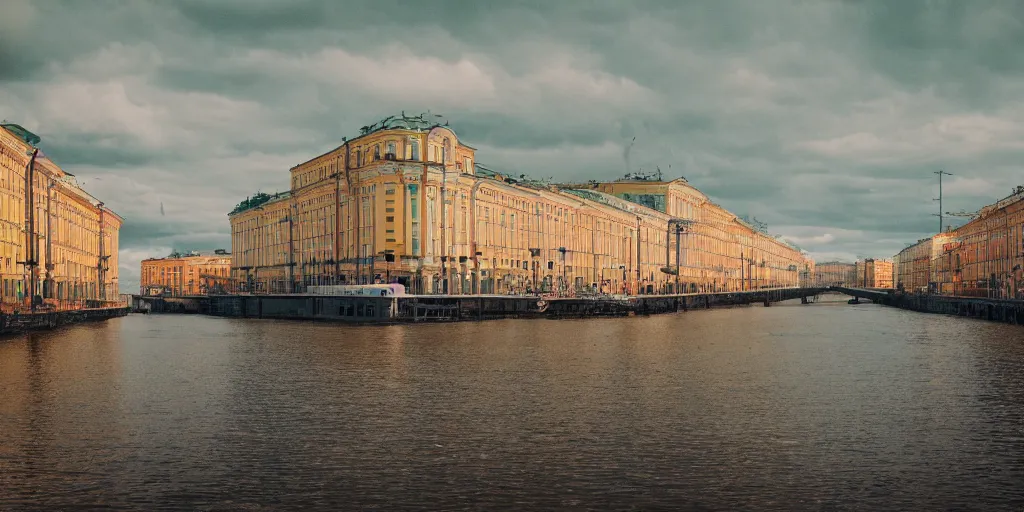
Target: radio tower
[(940, 173)]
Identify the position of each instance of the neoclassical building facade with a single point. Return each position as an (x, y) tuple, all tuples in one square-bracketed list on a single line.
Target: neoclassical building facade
[(186, 274), (982, 258), (406, 201), (54, 236)]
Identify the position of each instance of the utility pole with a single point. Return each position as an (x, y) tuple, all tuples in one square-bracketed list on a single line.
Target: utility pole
[(940, 173), (31, 242), (102, 264), (638, 254), (48, 283), (444, 219), (679, 230)]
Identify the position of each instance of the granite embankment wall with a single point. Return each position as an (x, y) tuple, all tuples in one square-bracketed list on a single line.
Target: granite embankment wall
[(996, 310), (420, 308), (42, 320)]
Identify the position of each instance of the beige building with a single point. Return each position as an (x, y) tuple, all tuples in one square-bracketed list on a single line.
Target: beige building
[(406, 201), (54, 236), (874, 273), (187, 274), (912, 266), (985, 257), (835, 273)]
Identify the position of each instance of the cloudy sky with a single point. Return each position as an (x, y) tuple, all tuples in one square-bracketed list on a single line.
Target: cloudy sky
[(824, 119)]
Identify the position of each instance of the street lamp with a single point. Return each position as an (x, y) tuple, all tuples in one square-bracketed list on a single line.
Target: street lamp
[(534, 254), (565, 284), (389, 257)]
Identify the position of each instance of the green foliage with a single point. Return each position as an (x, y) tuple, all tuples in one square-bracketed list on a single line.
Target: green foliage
[(257, 199)]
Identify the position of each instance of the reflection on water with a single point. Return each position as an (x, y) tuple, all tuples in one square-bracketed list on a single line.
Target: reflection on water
[(825, 406)]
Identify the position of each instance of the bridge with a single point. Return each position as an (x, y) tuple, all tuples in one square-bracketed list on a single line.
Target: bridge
[(879, 295)]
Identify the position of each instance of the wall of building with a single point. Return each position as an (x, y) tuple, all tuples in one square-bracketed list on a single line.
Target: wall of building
[(410, 192), (982, 258), (911, 267), (186, 276), (831, 273), (75, 234)]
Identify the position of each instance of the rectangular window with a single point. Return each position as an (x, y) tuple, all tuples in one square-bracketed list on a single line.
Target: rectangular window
[(389, 210), (389, 218), (390, 191)]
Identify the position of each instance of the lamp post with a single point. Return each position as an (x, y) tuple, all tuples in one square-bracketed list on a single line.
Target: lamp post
[(48, 282), (534, 254), (565, 284), (31, 242), (389, 256), (638, 221)]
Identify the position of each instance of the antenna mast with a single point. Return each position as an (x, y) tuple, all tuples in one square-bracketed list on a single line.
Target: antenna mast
[(940, 173)]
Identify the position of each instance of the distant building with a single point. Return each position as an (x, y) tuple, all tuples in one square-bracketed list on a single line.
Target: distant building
[(52, 232), (835, 273), (187, 274), (912, 266), (874, 273)]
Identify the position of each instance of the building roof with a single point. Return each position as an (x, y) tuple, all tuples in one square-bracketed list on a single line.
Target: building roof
[(20, 132), (221, 253), (258, 199), (421, 123), (612, 201)]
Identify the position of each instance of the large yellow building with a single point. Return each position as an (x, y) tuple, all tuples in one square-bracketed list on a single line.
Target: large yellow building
[(406, 201), (983, 258), (187, 274), (56, 237)]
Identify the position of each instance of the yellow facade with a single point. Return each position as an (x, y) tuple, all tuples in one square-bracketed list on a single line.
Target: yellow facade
[(75, 236), (406, 201), (874, 273), (912, 266), (835, 273), (984, 257), (189, 274)]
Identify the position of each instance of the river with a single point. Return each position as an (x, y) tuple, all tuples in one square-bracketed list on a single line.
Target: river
[(825, 406)]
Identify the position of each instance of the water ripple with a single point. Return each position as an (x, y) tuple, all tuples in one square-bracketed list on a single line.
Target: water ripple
[(818, 407)]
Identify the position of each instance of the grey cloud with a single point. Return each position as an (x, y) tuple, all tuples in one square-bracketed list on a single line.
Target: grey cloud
[(824, 119)]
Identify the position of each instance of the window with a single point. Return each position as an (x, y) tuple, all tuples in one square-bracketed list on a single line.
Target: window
[(390, 191), (414, 149), (390, 154), (389, 210), (389, 218), (376, 152)]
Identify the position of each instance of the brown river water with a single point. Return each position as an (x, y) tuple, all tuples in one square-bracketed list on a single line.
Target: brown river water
[(825, 406)]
